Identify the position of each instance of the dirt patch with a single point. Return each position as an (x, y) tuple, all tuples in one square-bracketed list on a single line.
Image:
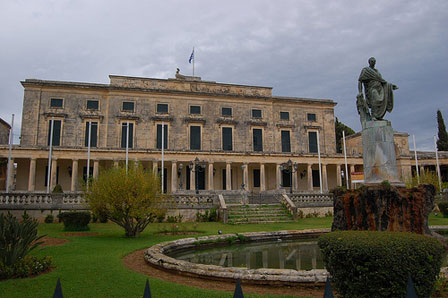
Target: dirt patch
[(47, 241), (78, 234), (135, 261)]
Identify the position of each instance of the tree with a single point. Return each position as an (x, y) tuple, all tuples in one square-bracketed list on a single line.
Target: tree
[(442, 143), (339, 127), (132, 200)]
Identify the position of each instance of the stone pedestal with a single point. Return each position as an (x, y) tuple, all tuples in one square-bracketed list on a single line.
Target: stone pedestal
[(379, 153)]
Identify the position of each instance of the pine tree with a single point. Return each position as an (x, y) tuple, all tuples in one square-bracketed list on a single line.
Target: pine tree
[(339, 127), (442, 143)]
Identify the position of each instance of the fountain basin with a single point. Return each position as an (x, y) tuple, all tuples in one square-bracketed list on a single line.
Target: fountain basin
[(158, 256)]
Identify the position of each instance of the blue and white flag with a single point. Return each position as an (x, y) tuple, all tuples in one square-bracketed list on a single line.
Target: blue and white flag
[(191, 56)]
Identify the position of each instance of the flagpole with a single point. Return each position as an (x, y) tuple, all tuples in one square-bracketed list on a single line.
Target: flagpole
[(10, 166), (88, 153), (163, 147), (127, 145), (437, 161), (320, 164), (416, 161), (345, 159), (49, 154)]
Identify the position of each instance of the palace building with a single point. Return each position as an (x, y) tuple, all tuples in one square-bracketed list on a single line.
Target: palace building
[(242, 137)]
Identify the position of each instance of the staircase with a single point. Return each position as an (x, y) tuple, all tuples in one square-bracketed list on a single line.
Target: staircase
[(258, 213)]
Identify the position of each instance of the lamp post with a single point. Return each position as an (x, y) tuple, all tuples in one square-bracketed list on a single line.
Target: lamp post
[(181, 166), (197, 166), (290, 168)]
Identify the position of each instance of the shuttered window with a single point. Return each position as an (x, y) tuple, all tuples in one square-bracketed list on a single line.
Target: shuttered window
[(227, 139), (312, 139), (124, 135), (159, 136), (286, 141), (257, 139), (94, 138), (56, 132), (195, 138)]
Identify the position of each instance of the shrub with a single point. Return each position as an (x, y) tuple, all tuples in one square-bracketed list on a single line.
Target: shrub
[(443, 206), (377, 264), (57, 189), (427, 177), (75, 221), (27, 266), (17, 239), (49, 218), (25, 216), (131, 198)]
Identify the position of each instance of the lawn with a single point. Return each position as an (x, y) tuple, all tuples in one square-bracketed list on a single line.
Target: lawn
[(90, 266)]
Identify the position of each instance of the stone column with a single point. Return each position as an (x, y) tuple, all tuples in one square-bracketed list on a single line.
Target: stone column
[(193, 179), (32, 175), (155, 166), (352, 169), (116, 164), (173, 176), (338, 175), (278, 176), (309, 173), (210, 176), (246, 176), (294, 180), (96, 164), (422, 170), (10, 174), (262, 178), (228, 176), (54, 171), (75, 175), (324, 178)]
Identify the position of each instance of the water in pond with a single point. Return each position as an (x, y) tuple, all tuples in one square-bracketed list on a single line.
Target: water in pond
[(298, 255)]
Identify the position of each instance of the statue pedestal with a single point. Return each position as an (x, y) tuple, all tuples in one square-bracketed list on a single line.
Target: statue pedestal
[(378, 147)]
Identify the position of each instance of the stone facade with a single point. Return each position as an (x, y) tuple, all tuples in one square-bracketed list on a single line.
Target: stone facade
[(266, 132)]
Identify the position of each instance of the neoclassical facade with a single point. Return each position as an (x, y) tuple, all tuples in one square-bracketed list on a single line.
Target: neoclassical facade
[(241, 135)]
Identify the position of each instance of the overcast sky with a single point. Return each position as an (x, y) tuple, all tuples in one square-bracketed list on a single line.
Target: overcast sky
[(300, 48)]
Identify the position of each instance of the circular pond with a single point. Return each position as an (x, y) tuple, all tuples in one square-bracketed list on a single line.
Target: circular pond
[(283, 257)]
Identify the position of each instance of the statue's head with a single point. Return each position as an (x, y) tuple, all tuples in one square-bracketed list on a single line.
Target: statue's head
[(372, 61)]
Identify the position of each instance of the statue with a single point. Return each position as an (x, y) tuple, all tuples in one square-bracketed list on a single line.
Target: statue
[(379, 96)]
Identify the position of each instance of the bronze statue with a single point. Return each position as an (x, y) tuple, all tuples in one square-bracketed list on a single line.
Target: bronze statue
[(379, 96)]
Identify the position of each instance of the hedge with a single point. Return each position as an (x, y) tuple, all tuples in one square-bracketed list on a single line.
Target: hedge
[(443, 206), (377, 264), (75, 221)]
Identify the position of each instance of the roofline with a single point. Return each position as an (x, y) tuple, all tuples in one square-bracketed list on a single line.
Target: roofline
[(5, 123)]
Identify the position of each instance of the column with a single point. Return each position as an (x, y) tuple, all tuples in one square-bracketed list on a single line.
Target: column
[(10, 174), (173, 176), (324, 178), (116, 163), (294, 180), (32, 175), (54, 171), (75, 174), (246, 176), (193, 178), (422, 170), (309, 173), (228, 176), (262, 178), (210, 176), (155, 166), (338, 175), (352, 169), (96, 164), (278, 176)]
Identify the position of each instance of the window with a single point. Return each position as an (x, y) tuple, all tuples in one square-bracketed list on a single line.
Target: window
[(311, 117), (226, 112), (257, 139), (256, 113), (227, 139), (92, 105), (195, 138), (124, 134), (286, 141), (56, 102), (284, 115), (94, 131), (316, 178), (194, 110), (256, 177), (162, 108), (128, 106), (312, 139), (286, 178), (159, 136), (56, 133)]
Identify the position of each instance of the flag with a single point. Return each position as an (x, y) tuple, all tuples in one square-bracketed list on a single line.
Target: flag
[(191, 56)]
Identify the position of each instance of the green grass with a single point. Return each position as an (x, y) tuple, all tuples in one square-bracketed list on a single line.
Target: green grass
[(91, 266)]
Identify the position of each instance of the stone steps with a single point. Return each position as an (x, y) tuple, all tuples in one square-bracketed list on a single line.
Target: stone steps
[(267, 213)]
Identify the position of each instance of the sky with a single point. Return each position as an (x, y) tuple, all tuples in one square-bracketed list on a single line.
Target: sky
[(312, 49)]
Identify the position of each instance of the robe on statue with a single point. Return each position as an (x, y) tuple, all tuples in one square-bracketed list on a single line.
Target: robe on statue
[(378, 92)]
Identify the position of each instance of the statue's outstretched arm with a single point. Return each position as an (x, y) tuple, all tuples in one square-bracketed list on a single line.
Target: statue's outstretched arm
[(360, 87)]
